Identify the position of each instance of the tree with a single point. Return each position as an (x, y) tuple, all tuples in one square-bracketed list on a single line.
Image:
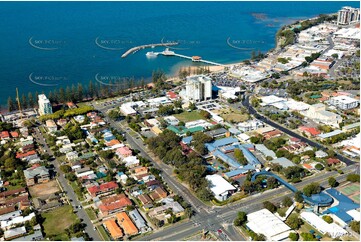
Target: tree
[(294, 221), (31, 101), (319, 167), (11, 105), (205, 194), (293, 236), (355, 226), (327, 219), (313, 188), (188, 212), (71, 177), (353, 177), (332, 182), (270, 206), (272, 182), (307, 237), (24, 102), (238, 154), (65, 168), (287, 201), (298, 197), (205, 114), (241, 219)]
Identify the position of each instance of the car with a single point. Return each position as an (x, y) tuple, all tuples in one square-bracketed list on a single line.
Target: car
[(95, 228)]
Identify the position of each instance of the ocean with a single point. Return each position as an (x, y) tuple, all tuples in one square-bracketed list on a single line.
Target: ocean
[(45, 45)]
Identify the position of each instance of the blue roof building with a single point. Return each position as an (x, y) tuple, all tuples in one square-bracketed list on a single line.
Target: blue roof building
[(187, 140), (220, 143), (230, 161), (239, 171), (345, 204)]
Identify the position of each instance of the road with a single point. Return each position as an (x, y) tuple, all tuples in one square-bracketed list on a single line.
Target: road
[(209, 218), (89, 229), (226, 215), (252, 111)]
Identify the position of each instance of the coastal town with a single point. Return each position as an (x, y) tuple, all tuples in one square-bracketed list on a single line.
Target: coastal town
[(267, 149)]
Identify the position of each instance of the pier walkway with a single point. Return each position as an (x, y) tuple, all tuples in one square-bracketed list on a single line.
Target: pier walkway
[(136, 48), (168, 52)]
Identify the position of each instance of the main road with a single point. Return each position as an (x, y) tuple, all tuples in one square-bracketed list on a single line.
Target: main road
[(89, 229), (312, 143), (210, 218)]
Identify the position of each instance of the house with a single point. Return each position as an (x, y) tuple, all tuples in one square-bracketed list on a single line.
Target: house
[(113, 229), (47, 202), (14, 134), (123, 152), (320, 154), (218, 133), (145, 199), (220, 187), (309, 131), (138, 219), (14, 233), (21, 155), (61, 122), (86, 171), (332, 161), (73, 155), (160, 212), (126, 223), (131, 161), (139, 170), (113, 204), (102, 189), (36, 175), (51, 125), (272, 134), (158, 193), (4, 135)]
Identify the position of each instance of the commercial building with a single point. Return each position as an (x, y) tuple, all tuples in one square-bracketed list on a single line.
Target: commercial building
[(220, 187), (318, 113), (250, 125), (348, 15), (332, 229), (44, 105), (198, 88), (266, 223), (344, 102)]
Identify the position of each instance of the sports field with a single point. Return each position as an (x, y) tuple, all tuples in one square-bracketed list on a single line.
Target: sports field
[(352, 191)]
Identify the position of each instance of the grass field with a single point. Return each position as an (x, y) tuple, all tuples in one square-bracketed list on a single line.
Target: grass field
[(103, 233), (189, 116), (356, 198), (57, 220), (90, 213), (232, 115)]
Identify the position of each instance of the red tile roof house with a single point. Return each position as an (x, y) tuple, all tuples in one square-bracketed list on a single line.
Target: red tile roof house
[(332, 161), (4, 135), (123, 152), (114, 204), (20, 155), (309, 131), (14, 134), (102, 189), (272, 134), (172, 95)]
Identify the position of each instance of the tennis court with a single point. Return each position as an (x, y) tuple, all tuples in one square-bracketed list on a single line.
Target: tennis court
[(350, 189), (356, 198)]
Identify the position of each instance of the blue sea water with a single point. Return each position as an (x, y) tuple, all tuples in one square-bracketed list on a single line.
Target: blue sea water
[(44, 45)]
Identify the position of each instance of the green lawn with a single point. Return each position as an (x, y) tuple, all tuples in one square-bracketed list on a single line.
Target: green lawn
[(77, 191), (57, 220), (103, 233), (91, 213), (189, 116)]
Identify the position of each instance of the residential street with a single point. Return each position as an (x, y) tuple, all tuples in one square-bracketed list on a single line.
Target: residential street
[(89, 229)]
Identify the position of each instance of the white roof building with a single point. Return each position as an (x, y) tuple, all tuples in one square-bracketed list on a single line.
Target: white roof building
[(220, 187), (266, 223), (131, 161), (332, 229), (17, 220)]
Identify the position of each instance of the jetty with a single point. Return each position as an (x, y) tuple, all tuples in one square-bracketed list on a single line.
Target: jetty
[(168, 52), (140, 47)]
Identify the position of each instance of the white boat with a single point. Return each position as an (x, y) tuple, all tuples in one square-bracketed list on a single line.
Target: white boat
[(151, 54)]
